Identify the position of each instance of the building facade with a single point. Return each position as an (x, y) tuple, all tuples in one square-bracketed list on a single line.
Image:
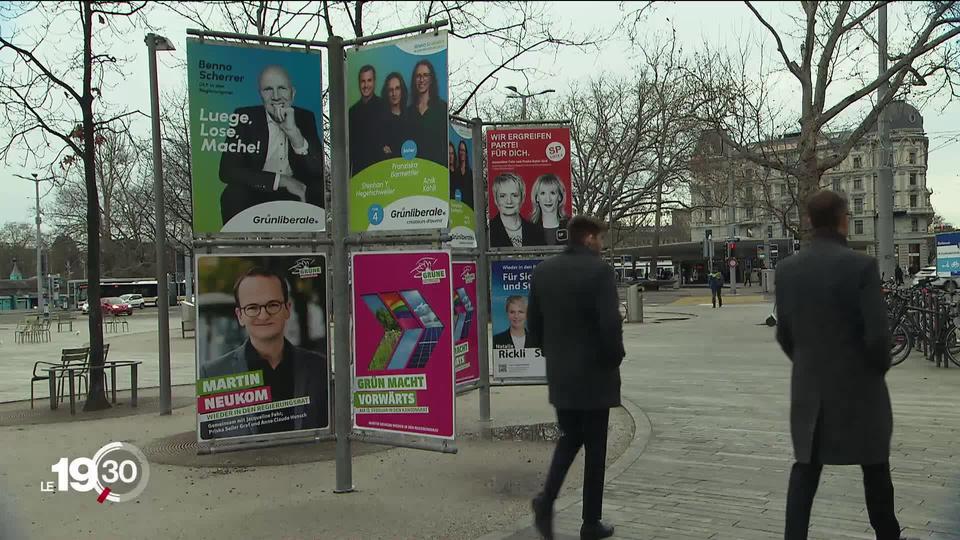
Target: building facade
[(731, 196)]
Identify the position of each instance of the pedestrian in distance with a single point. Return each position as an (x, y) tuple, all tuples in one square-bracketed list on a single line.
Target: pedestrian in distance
[(898, 275), (715, 281), (832, 324), (573, 315), (748, 278)]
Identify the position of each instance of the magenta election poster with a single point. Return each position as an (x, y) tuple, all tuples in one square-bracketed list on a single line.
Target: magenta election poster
[(403, 335), (465, 337)]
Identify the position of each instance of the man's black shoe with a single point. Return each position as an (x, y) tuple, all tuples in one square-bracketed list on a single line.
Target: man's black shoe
[(595, 531), (543, 517)]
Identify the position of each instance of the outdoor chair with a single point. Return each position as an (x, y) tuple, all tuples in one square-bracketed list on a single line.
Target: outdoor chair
[(22, 331), (69, 358), (41, 330), (65, 318)]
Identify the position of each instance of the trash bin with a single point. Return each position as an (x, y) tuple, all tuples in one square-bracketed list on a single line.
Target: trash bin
[(635, 304)]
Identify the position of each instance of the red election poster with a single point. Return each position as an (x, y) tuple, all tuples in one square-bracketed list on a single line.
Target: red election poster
[(530, 189), (403, 342), (465, 362)]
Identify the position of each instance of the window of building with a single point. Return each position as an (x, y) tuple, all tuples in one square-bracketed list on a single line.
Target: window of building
[(748, 193), (913, 201), (782, 189), (707, 195), (913, 179), (783, 230), (858, 205), (857, 162), (913, 158), (837, 185), (708, 216), (858, 226), (749, 212), (858, 184), (708, 233), (890, 159), (914, 225), (769, 231)]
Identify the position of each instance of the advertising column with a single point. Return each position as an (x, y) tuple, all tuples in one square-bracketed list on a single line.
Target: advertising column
[(513, 357), (403, 343), (397, 92), (528, 172), (465, 350), (255, 138), (462, 218), (261, 345)]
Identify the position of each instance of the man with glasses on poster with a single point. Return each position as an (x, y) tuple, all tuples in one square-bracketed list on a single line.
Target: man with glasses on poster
[(263, 308)]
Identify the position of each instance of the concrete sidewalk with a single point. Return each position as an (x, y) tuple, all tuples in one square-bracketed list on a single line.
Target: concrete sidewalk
[(285, 492), (715, 390)]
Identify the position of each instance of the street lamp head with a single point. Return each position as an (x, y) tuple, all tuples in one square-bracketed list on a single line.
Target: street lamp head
[(513, 88), (547, 91), (161, 43)]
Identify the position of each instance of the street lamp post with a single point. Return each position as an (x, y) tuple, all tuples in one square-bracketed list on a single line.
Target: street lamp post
[(159, 43), (524, 97), (36, 184)]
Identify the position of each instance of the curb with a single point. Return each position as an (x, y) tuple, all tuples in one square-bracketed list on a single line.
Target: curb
[(643, 431)]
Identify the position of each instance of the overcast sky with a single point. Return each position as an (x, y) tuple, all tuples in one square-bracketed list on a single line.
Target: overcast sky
[(719, 23)]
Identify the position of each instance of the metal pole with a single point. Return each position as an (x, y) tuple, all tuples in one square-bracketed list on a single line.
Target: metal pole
[(523, 108), (188, 274), (36, 182), (733, 231), (160, 235), (343, 379), (885, 173), (483, 270)]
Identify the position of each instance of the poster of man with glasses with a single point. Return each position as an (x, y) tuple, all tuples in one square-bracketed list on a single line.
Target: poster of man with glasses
[(261, 345)]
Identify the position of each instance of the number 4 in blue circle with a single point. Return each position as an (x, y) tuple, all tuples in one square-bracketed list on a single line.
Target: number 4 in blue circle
[(375, 214)]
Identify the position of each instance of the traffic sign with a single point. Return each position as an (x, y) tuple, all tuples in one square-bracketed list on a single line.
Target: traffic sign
[(732, 263)]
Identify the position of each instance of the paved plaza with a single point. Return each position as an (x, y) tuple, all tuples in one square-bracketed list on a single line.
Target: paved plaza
[(139, 342), (714, 390), (707, 457)]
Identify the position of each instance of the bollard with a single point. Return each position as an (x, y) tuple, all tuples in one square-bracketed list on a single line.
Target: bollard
[(635, 304)]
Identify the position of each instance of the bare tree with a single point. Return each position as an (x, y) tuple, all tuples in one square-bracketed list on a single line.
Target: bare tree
[(48, 96), (514, 31), (822, 54)]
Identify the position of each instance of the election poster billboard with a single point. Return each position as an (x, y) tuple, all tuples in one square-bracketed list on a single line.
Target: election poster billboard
[(530, 196), (261, 345), (256, 138), (397, 93), (514, 357), (403, 343), (948, 254), (465, 337), (463, 229)]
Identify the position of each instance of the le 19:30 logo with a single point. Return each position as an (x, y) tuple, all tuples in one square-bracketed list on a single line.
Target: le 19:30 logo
[(118, 472)]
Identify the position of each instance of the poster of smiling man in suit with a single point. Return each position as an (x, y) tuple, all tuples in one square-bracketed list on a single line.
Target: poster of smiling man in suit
[(256, 139)]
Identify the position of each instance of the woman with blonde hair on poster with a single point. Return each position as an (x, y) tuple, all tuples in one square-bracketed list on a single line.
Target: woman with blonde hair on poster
[(549, 196)]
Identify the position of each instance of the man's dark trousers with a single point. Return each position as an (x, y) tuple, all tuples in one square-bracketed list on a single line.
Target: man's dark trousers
[(586, 428), (717, 295), (877, 488)]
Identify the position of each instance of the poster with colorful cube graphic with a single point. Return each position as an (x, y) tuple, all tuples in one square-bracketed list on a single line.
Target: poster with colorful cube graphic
[(403, 342), (465, 340)]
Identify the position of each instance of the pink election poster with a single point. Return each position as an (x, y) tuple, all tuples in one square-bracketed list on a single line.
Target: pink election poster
[(465, 337), (403, 336)]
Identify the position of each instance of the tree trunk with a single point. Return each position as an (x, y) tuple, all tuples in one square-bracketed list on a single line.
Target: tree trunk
[(97, 397)]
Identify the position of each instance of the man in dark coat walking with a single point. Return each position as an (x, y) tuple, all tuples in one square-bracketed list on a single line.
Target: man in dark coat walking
[(831, 323), (573, 316)]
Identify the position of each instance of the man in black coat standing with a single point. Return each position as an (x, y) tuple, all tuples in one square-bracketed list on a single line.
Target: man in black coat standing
[(573, 315), (832, 324)]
